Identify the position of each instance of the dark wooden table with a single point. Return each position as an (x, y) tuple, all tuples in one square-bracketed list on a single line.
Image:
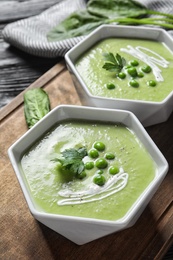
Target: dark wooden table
[(18, 69)]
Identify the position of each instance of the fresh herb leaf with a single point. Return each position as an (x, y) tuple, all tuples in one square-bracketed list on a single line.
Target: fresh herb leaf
[(121, 61), (109, 57), (116, 8), (77, 24), (113, 63), (72, 159), (100, 12), (36, 105)]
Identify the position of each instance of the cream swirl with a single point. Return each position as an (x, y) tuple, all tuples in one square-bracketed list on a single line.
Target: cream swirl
[(114, 184), (137, 52)]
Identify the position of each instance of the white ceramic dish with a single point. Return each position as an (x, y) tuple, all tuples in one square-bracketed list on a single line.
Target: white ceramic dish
[(77, 229), (149, 113)]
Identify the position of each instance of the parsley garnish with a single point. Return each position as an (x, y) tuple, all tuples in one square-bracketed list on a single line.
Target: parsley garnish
[(113, 63), (72, 159)]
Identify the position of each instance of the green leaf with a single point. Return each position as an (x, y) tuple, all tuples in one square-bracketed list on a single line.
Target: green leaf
[(111, 67), (97, 11), (72, 159), (100, 12), (73, 153), (109, 57), (116, 8), (114, 63), (77, 24), (36, 105), (119, 59)]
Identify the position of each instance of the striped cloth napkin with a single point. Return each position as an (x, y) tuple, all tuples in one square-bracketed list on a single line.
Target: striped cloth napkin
[(29, 34)]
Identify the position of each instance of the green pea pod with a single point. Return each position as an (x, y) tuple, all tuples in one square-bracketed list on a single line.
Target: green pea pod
[(36, 105)]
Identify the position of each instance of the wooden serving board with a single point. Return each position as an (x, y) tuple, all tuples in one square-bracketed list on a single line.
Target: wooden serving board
[(22, 237)]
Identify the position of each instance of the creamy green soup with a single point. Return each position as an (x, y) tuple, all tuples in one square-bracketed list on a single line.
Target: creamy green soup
[(56, 191), (154, 85)]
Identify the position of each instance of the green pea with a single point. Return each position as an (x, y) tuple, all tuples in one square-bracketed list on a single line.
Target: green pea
[(140, 75), (99, 172), (99, 146), (101, 163), (122, 75), (132, 72), (134, 83), (93, 153), (89, 165), (99, 180), (127, 67), (110, 86), (146, 69), (134, 63), (152, 83), (81, 175), (113, 170), (109, 156)]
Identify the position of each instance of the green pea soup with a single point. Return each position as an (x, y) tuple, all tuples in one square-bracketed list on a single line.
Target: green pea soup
[(58, 192), (154, 85)]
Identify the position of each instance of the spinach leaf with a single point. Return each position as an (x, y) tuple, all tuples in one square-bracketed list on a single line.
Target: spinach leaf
[(116, 8), (100, 12), (77, 24), (36, 105), (97, 13)]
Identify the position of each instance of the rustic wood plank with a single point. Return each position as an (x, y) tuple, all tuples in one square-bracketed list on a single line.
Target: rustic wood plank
[(149, 238), (54, 71), (164, 227), (16, 9), (17, 68)]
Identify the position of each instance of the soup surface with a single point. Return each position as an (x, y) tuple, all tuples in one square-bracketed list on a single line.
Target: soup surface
[(57, 191), (150, 85)]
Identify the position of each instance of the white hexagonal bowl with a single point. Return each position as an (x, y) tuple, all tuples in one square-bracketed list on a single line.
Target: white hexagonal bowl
[(149, 113), (77, 229)]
